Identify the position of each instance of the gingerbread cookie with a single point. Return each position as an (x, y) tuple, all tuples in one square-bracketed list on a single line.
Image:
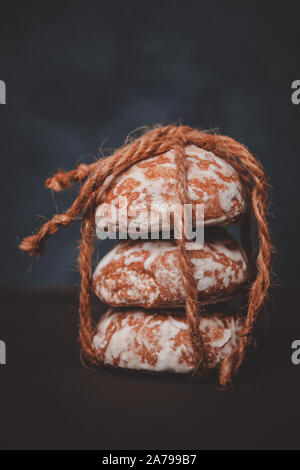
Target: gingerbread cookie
[(150, 188), (140, 340), (147, 273)]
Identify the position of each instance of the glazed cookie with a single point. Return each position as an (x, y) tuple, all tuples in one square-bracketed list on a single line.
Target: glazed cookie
[(136, 339), (147, 273), (150, 187)]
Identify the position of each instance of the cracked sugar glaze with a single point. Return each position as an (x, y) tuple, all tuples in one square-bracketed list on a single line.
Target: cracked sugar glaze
[(147, 273), (152, 184), (140, 340)]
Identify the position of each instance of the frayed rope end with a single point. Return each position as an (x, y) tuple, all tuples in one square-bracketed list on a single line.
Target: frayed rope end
[(56, 185), (32, 246)]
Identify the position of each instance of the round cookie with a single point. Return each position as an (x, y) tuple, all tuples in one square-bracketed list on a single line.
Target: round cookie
[(150, 186), (147, 273), (139, 340)]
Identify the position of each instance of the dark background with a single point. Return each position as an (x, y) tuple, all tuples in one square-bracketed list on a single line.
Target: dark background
[(84, 74)]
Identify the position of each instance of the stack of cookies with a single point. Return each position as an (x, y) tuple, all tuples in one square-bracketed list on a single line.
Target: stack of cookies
[(145, 327)]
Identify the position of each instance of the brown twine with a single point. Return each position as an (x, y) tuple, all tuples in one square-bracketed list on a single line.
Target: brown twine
[(192, 307), (98, 176)]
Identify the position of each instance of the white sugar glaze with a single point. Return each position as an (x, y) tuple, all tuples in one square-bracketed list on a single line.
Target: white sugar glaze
[(151, 183), (148, 274), (140, 340)]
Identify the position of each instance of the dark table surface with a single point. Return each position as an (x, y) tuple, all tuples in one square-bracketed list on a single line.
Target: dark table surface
[(49, 401)]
